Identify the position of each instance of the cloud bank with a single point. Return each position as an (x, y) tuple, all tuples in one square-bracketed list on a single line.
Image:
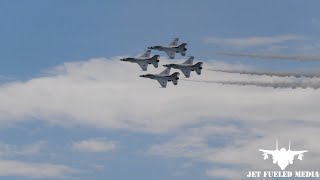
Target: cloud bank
[(35, 170), (94, 145), (219, 125), (107, 93)]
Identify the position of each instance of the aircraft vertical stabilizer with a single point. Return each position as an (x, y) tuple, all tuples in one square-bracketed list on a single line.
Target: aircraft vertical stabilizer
[(175, 78)]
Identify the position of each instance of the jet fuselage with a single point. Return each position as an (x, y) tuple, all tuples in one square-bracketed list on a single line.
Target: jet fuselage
[(160, 76), (183, 66), (135, 60), (176, 49)]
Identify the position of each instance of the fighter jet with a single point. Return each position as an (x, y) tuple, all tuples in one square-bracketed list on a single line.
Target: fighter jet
[(172, 48), (283, 157), (164, 77), (144, 60), (187, 67)]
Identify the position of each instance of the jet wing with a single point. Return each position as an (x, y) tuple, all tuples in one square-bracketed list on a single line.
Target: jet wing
[(293, 153), (267, 151), (162, 82), (143, 65), (186, 72), (171, 54), (174, 42)]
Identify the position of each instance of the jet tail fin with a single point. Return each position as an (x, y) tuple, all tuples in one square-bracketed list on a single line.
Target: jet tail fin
[(183, 45), (174, 42), (175, 78), (183, 49), (198, 67), (155, 57), (155, 61), (166, 71), (289, 144), (199, 64)]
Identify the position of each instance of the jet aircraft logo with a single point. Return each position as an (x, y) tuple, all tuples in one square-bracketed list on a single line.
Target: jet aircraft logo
[(282, 157)]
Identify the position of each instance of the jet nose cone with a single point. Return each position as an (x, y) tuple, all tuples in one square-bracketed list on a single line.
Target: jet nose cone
[(165, 65), (142, 76), (150, 47)]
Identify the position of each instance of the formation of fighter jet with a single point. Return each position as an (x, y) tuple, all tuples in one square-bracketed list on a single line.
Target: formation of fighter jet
[(144, 60), (164, 77), (172, 48), (283, 157), (187, 67)]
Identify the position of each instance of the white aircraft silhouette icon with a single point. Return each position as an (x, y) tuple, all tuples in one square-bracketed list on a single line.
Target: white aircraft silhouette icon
[(283, 157)]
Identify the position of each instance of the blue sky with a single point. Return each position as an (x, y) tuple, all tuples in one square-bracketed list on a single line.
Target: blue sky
[(71, 110), (38, 34)]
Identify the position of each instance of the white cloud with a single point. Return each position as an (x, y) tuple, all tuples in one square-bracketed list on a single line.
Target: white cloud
[(25, 150), (253, 41), (94, 145), (36, 170), (109, 94), (34, 148), (239, 152), (235, 144), (192, 142), (28, 169)]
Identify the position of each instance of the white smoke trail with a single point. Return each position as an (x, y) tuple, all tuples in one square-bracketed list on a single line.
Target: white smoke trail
[(272, 56), (279, 74), (282, 84)]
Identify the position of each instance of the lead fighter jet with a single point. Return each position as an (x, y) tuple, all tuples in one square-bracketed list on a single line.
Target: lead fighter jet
[(172, 48), (144, 60), (164, 77), (187, 67)]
